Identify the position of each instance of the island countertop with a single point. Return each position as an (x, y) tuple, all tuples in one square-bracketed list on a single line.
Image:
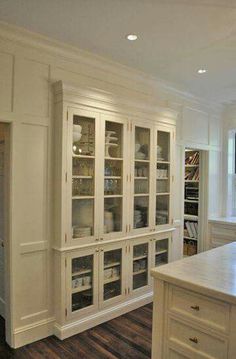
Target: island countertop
[(211, 273)]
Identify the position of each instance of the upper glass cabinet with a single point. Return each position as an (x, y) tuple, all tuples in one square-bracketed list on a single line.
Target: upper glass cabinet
[(162, 215), (83, 176), (141, 177), (113, 176)]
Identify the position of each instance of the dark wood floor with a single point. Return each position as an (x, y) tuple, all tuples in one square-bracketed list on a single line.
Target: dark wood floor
[(128, 336)]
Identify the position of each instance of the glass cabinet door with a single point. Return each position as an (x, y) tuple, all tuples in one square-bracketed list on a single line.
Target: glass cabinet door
[(162, 215), (83, 176), (141, 178), (82, 283), (112, 265), (140, 259), (161, 251), (113, 176)]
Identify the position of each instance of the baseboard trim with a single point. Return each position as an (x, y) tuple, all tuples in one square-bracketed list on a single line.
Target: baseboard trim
[(32, 332), (65, 331), (2, 307)]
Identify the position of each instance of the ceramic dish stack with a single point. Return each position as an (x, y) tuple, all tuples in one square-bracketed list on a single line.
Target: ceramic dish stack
[(77, 133), (110, 141), (79, 232)]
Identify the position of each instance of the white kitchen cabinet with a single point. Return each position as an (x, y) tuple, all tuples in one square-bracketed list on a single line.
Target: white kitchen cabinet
[(113, 202)]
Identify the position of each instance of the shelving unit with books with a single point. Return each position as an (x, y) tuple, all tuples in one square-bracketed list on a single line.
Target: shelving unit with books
[(191, 201)]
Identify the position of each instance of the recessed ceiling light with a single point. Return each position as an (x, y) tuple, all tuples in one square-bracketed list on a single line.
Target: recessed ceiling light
[(131, 37), (201, 71)]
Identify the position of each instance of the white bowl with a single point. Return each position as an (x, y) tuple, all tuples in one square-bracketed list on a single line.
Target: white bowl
[(137, 147), (77, 128), (76, 136)]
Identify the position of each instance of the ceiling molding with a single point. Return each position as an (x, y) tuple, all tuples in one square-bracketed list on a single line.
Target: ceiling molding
[(73, 54)]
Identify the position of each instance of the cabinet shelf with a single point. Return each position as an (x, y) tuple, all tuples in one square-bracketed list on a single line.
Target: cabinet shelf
[(164, 162), (112, 177), (190, 238), (162, 178), (163, 194), (110, 265), (81, 289), (110, 280), (141, 178), (86, 271), (113, 195), (192, 181), (162, 251), (83, 197), (140, 271), (138, 258), (141, 195), (191, 200), (114, 158), (191, 217), (83, 156), (144, 161), (82, 177), (192, 166)]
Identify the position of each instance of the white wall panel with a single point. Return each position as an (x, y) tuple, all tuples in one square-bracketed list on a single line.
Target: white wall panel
[(6, 81), (195, 126), (31, 93)]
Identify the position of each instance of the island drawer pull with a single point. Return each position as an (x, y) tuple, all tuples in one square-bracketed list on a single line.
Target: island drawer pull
[(195, 307), (194, 340)]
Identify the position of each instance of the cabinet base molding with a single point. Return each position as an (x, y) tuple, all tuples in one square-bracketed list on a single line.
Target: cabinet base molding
[(32, 332), (65, 331)]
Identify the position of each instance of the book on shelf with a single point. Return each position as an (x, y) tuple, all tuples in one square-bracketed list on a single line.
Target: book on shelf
[(192, 159), (192, 229)]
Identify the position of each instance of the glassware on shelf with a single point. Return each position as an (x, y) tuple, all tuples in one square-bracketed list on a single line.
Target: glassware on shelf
[(162, 209), (82, 187), (112, 273), (113, 168), (112, 187), (83, 167), (82, 282), (141, 205), (140, 265)]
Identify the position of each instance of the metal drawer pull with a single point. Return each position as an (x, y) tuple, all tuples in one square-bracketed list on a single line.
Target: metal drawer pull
[(194, 340), (195, 307)]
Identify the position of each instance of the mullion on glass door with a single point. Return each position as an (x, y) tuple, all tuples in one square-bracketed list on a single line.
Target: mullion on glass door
[(83, 171)]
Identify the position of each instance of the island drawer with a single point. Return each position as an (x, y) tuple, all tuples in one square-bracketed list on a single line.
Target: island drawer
[(196, 343), (203, 310)]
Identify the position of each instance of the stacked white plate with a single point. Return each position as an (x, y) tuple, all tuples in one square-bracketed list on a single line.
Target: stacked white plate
[(77, 133), (81, 231)]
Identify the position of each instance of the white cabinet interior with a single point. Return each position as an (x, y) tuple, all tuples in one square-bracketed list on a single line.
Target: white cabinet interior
[(113, 211)]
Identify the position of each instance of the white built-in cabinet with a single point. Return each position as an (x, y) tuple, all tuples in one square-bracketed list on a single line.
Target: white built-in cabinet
[(112, 210)]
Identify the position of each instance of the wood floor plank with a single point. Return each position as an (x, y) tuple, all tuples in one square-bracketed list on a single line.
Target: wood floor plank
[(125, 337)]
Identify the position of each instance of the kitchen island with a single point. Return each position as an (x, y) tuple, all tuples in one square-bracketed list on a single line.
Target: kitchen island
[(194, 314)]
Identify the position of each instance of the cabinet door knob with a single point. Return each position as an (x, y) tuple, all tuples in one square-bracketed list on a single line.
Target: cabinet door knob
[(194, 340), (195, 307), (101, 249), (97, 250)]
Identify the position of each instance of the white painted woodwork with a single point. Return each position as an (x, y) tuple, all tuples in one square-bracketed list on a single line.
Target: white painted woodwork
[(29, 66), (197, 317), (221, 231)]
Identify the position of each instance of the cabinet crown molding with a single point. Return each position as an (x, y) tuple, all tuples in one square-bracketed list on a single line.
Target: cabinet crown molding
[(108, 101)]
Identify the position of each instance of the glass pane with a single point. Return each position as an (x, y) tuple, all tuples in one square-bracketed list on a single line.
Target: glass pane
[(141, 205), (113, 168), (162, 209), (112, 215), (82, 282), (163, 146), (161, 252), (82, 187), (141, 177), (140, 265), (114, 140), (112, 274), (83, 167), (82, 217), (142, 143), (83, 135), (112, 187)]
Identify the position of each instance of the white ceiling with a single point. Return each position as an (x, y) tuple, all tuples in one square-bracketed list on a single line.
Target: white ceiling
[(176, 37)]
